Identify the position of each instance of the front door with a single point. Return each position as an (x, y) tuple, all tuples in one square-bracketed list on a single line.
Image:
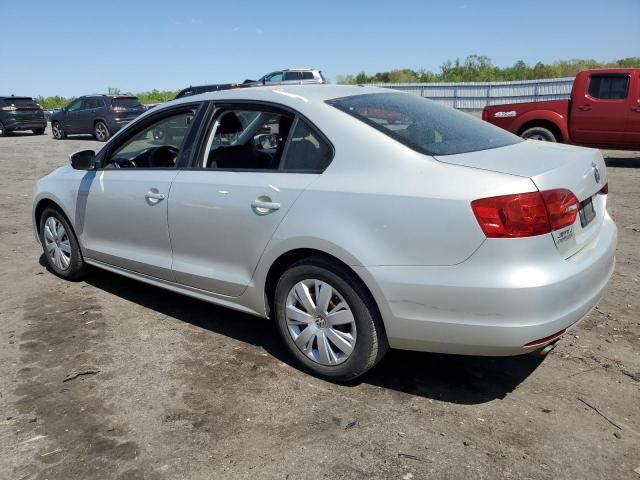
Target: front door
[(599, 117), (125, 216), (223, 212), (71, 123)]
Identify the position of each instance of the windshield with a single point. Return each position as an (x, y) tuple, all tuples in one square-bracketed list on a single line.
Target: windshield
[(423, 125)]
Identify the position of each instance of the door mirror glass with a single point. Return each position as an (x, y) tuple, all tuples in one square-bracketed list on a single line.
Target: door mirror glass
[(84, 160)]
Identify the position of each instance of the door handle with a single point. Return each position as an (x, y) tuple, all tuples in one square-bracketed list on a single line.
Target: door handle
[(154, 195), (585, 108), (264, 205)]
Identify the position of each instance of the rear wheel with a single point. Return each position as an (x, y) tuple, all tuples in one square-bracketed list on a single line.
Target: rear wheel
[(101, 132), (57, 131), (539, 133), (3, 132), (328, 320), (38, 131), (60, 245)]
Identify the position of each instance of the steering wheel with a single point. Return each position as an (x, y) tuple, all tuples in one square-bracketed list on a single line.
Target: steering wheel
[(164, 156)]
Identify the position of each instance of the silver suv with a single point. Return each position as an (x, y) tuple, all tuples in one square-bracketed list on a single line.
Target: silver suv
[(290, 76)]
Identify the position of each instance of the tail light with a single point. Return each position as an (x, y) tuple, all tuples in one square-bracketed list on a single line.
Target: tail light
[(117, 109), (526, 214), (485, 115)]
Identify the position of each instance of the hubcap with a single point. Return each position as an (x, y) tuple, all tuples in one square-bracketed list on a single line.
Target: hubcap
[(100, 131), (56, 243), (57, 131), (320, 322), (538, 137)]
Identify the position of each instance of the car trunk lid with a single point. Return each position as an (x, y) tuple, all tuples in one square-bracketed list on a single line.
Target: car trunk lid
[(552, 166)]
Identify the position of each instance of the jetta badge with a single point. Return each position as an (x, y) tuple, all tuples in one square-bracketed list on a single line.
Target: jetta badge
[(596, 172)]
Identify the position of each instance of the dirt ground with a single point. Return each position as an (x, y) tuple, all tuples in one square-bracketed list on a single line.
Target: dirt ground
[(113, 379)]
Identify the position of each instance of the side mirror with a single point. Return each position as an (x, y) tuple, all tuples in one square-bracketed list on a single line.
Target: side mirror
[(84, 160)]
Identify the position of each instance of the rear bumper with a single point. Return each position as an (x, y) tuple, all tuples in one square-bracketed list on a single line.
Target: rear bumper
[(509, 293), (12, 124)]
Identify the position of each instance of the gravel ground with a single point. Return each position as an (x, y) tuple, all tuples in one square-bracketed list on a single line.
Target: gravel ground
[(110, 378)]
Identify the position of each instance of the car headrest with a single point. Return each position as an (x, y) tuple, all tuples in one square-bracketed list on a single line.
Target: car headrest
[(230, 123)]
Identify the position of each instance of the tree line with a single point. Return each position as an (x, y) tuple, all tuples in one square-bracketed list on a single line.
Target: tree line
[(147, 98), (479, 68), (474, 68)]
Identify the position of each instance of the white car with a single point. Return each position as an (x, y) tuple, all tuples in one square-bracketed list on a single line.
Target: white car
[(374, 219)]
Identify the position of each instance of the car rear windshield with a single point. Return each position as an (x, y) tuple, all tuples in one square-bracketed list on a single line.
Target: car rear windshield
[(126, 102), (423, 125), (20, 102)]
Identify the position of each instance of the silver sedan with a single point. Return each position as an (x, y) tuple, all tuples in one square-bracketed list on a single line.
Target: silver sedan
[(357, 219)]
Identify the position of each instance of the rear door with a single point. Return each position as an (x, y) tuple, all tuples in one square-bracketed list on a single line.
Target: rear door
[(225, 209), (599, 117), (87, 114), (633, 124)]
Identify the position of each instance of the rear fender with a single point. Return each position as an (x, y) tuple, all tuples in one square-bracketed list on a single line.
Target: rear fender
[(540, 117)]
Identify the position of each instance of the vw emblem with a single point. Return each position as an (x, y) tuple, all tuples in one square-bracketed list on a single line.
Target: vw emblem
[(596, 172)]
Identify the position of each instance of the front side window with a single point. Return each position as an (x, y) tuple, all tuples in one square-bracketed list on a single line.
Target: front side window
[(156, 146), (424, 125), (274, 77), (75, 105), (307, 75), (609, 87)]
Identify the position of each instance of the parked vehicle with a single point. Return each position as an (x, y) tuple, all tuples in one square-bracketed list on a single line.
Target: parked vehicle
[(354, 234), (100, 115), (290, 76), (19, 114), (603, 111), (189, 91)]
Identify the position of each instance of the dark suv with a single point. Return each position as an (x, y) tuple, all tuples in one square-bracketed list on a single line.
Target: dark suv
[(21, 113), (187, 92), (101, 115)]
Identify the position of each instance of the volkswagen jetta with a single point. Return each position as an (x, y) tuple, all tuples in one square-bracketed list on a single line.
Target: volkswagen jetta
[(370, 219)]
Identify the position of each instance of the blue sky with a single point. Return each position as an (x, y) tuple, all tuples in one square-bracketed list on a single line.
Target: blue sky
[(73, 47)]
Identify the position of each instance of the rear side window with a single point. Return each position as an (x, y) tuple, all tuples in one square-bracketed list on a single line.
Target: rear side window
[(423, 125), (307, 75), (609, 87), (91, 103), (306, 152), (128, 102), (293, 76)]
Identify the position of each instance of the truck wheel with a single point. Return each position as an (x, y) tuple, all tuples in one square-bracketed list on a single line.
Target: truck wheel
[(539, 133)]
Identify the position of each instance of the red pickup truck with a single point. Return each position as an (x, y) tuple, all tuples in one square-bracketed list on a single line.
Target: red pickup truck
[(603, 111)]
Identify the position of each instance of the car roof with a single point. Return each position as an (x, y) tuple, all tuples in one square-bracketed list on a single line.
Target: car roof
[(285, 94)]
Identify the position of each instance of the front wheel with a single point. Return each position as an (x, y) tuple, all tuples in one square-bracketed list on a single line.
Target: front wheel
[(101, 132), (539, 133), (38, 131), (60, 246), (328, 320), (57, 131)]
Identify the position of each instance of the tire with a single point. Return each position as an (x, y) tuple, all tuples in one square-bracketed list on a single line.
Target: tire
[(361, 332), (57, 131), (101, 131), (539, 133), (3, 131), (54, 241), (38, 131)]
